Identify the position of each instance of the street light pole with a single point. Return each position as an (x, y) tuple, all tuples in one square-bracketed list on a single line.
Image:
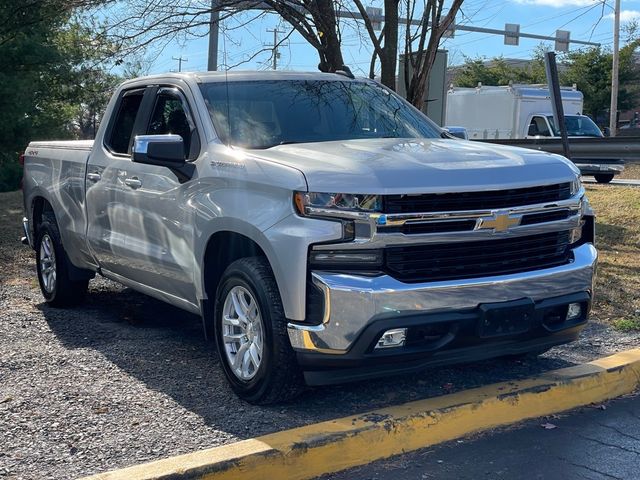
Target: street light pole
[(613, 112)]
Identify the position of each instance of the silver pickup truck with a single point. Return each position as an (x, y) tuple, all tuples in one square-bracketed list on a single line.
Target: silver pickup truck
[(323, 228)]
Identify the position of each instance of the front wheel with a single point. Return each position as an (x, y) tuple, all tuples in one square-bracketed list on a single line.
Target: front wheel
[(603, 177), (51, 264), (251, 334)]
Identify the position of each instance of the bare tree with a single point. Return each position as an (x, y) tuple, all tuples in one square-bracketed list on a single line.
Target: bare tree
[(317, 21), (421, 41), (387, 52), (145, 23), (429, 33)]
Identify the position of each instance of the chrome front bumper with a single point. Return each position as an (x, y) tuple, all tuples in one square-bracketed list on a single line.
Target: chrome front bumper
[(353, 302)]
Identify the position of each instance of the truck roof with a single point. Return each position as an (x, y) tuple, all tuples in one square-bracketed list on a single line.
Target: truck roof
[(247, 75), (528, 91)]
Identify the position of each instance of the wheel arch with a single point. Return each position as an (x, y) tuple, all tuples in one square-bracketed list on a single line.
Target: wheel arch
[(224, 247), (40, 205)]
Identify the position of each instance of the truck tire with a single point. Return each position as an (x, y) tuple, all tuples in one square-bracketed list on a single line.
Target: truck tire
[(51, 264), (251, 334), (603, 177)]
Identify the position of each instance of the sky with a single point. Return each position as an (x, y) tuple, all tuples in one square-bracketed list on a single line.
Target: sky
[(586, 20)]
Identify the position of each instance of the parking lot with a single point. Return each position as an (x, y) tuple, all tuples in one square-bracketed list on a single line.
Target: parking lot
[(125, 379)]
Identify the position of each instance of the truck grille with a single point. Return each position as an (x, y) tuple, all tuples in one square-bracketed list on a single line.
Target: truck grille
[(425, 263), (455, 202)]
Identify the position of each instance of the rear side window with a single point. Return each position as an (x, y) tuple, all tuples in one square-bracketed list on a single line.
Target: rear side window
[(123, 124)]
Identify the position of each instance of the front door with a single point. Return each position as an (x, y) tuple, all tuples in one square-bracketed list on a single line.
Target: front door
[(158, 227)]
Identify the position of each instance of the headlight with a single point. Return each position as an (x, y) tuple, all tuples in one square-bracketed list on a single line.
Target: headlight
[(576, 185), (575, 235), (335, 204)]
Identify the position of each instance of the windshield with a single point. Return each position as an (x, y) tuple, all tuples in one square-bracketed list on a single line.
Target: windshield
[(577, 126), (266, 113)]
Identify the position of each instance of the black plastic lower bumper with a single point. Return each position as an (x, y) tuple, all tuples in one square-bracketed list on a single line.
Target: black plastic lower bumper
[(436, 339)]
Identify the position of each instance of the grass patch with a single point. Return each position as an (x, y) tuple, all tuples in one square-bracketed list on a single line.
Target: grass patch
[(631, 171), (627, 324), (617, 295)]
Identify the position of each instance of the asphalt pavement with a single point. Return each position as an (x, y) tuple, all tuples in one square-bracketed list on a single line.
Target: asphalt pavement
[(597, 442)]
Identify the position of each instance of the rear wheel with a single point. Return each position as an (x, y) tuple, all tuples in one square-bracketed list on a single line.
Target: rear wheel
[(51, 264), (251, 334), (604, 177)]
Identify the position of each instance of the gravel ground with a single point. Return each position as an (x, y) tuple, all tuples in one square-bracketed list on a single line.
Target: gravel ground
[(126, 379)]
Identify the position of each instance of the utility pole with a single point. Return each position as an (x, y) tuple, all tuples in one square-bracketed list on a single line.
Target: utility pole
[(180, 60), (613, 112), (274, 50), (214, 31), (556, 99)]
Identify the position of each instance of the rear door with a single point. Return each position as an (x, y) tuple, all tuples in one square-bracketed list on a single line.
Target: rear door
[(106, 168)]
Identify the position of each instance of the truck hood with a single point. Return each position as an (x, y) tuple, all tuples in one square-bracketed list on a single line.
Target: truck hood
[(392, 165)]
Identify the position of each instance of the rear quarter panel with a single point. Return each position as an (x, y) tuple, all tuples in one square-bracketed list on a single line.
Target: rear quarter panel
[(56, 171)]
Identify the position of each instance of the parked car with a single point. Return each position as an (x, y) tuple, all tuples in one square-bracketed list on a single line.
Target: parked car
[(323, 228)]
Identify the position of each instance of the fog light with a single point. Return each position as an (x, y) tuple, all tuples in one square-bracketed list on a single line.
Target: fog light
[(345, 258), (575, 235), (392, 338), (574, 311)]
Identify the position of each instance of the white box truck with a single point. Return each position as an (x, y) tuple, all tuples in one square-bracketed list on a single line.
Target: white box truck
[(515, 111)]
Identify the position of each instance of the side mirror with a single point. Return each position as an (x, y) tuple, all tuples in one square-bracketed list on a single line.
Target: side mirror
[(458, 132), (533, 130), (607, 132), (161, 150)]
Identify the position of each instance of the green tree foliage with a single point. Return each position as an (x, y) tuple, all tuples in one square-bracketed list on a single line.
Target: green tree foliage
[(498, 72), (589, 69), (52, 85)]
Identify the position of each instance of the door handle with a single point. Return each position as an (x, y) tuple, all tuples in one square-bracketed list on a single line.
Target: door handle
[(133, 182), (93, 177)]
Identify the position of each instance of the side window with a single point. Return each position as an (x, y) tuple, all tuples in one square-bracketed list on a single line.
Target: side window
[(169, 117), (541, 126), (123, 125)]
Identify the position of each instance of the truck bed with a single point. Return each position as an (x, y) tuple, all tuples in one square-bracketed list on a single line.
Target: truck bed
[(56, 170), (63, 144)]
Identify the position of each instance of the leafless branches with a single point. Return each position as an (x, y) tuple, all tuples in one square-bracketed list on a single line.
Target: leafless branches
[(156, 22)]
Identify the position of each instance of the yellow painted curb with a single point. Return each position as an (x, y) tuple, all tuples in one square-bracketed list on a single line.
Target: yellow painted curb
[(306, 452)]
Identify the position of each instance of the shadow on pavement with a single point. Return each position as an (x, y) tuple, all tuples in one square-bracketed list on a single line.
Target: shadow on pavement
[(164, 348)]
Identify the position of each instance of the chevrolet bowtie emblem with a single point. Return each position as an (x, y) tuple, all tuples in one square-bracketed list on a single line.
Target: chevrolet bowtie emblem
[(498, 222)]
